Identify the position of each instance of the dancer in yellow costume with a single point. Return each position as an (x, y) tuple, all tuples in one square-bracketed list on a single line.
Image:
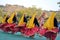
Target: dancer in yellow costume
[(30, 28), (50, 29), (21, 22), (9, 25)]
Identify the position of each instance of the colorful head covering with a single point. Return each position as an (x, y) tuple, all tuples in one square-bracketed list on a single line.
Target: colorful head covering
[(50, 22), (10, 20), (21, 22), (3, 20), (30, 23)]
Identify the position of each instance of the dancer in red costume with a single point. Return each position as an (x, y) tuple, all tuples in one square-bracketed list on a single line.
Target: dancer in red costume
[(30, 29), (4, 22), (9, 24), (41, 21), (22, 24), (50, 28)]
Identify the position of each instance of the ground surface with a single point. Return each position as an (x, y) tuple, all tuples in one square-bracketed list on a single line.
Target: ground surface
[(18, 36)]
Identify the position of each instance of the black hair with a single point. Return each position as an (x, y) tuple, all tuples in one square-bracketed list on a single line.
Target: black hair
[(55, 22), (36, 22), (15, 19)]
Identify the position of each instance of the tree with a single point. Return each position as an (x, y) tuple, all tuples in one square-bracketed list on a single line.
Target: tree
[(1, 12), (58, 3)]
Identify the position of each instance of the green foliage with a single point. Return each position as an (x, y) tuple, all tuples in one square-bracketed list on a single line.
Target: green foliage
[(29, 11), (1, 19)]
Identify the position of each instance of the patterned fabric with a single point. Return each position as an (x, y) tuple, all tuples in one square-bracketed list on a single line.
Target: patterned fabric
[(42, 31), (8, 27), (51, 35), (29, 32)]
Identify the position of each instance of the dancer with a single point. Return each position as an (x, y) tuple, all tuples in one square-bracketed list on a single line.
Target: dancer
[(8, 24), (49, 30), (41, 22), (30, 28), (22, 24), (4, 21), (42, 19)]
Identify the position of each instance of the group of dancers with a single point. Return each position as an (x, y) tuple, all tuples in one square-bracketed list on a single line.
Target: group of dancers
[(29, 26)]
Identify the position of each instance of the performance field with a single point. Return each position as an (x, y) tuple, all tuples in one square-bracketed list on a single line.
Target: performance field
[(18, 36)]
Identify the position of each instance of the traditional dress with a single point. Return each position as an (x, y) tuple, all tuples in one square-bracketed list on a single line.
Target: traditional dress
[(29, 29), (41, 20), (22, 24), (3, 22), (50, 29), (8, 24)]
